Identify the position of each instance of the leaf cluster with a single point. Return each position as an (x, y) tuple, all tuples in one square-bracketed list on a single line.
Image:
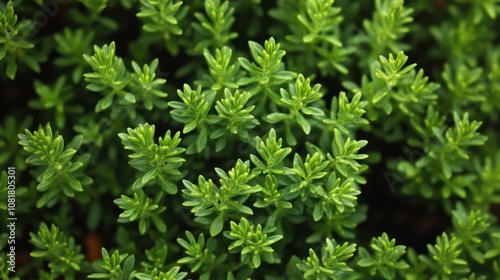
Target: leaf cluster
[(59, 176)]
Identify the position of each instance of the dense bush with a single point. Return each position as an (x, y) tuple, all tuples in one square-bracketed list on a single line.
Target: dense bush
[(248, 139)]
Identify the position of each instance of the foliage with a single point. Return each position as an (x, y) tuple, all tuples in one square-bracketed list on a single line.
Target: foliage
[(385, 260), (209, 200), (114, 267), (142, 208), (59, 177), (14, 46), (315, 33), (255, 243), (268, 72), (332, 264), (193, 113), (157, 162), (163, 16), (215, 26), (387, 26), (294, 139), (200, 256), (62, 253), (71, 44)]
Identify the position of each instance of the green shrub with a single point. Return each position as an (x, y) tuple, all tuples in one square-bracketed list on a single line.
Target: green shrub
[(248, 139)]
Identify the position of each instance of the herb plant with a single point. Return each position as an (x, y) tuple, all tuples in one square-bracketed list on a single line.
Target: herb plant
[(248, 139)]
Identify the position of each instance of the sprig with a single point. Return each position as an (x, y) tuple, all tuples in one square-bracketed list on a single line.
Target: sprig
[(344, 157), (444, 157), (445, 259), (71, 44), (215, 26), (315, 34), (395, 76), (142, 208), (487, 190), (172, 274), (235, 117), (147, 86), (387, 26), (306, 175), (200, 255), (346, 115), (223, 74), (386, 258), (272, 154), (395, 85), (163, 16), (192, 112), (494, 251), (97, 6), (320, 20), (267, 72), (61, 176), (462, 42), (300, 100), (457, 138), (157, 163), (256, 244), (272, 195), (466, 86), (470, 228), (332, 264), (110, 76), (113, 79), (61, 252), (212, 204), (55, 98), (156, 256), (119, 267), (14, 46), (337, 198), (392, 69)]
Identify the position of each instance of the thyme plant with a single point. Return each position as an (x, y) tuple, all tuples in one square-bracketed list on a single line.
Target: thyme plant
[(248, 139)]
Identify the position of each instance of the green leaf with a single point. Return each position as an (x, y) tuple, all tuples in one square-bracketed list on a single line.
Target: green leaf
[(365, 263), (276, 117), (241, 208), (317, 212), (217, 225), (75, 184), (304, 124), (201, 141), (104, 103), (11, 69), (129, 97), (151, 174)]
